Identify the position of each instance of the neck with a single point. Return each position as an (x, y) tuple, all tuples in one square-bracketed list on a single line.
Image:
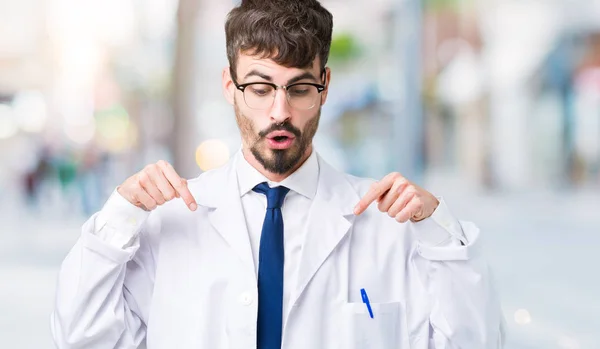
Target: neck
[(274, 177)]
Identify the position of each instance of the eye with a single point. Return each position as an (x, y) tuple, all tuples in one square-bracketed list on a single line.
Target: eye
[(300, 90), (260, 90)]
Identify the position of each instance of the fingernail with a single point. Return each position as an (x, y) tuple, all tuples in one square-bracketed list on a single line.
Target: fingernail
[(193, 207), (356, 210)]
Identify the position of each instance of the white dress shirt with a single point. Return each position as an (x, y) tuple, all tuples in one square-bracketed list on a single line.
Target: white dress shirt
[(303, 186)]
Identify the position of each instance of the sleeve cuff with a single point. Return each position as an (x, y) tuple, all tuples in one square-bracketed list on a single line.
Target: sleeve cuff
[(441, 229), (119, 222)]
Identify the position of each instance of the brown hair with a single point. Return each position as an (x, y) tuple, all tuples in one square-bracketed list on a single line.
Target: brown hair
[(290, 32)]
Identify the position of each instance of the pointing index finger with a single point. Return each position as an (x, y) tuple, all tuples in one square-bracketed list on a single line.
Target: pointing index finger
[(373, 194), (179, 184)]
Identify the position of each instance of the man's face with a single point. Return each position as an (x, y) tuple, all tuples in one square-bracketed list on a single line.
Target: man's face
[(279, 136)]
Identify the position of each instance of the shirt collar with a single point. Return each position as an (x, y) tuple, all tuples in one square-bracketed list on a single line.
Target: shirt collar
[(303, 181)]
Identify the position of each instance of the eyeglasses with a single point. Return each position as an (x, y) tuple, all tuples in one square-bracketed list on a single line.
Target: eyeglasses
[(261, 95)]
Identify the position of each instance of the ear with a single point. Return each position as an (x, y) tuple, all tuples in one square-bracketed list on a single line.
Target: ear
[(327, 79), (228, 86)]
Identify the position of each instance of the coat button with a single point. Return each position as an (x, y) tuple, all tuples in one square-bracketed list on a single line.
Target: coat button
[(246, 298)]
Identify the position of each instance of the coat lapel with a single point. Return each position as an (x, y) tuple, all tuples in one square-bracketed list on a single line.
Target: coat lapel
[(220, 193), (329, 221)]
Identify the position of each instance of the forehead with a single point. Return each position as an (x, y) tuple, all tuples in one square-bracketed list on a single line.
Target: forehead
[(246, 63)]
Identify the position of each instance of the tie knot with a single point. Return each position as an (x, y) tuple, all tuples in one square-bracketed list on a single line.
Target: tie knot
[(275, 195)]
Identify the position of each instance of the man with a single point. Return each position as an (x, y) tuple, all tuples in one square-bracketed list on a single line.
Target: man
[(276, 249)]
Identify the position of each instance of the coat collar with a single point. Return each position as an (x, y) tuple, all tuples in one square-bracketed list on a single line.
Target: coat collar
[(329, 219), (213, 189), (303, 181)]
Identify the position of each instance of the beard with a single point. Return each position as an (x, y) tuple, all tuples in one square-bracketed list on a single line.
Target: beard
[(278, 161)]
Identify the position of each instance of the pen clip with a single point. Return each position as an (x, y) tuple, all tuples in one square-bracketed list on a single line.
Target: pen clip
[(365, 299)]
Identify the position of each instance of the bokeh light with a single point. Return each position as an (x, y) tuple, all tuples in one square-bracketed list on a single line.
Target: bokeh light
[(8, 125), (30, 111), (522, 317), (115, 130), (211, 154), (80, 133)]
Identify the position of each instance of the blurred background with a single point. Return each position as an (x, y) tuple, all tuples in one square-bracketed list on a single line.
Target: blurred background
[(492, 104)]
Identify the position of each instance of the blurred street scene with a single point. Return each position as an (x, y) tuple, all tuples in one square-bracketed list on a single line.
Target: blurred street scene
[(492, 104)]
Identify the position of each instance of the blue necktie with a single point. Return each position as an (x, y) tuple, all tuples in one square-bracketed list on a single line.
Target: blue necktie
[(270, 270)]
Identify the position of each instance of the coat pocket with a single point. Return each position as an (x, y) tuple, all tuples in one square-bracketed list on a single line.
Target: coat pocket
[(383, 331)]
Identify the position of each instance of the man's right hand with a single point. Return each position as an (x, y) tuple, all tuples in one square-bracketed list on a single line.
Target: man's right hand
[(155, 185)]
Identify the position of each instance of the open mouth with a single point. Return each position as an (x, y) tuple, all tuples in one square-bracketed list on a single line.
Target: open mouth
[(280, 140)]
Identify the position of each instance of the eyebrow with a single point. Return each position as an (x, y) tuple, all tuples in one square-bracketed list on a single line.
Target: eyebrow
[(305, 75), (259, 74)]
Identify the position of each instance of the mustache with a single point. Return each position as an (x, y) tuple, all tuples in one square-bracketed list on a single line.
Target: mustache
[(281, 127)]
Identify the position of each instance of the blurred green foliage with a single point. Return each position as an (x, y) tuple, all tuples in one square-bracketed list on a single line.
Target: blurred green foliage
[(441, 5), (344, 47)]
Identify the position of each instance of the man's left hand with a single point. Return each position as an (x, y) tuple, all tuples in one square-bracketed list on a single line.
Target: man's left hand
[(400, 198)]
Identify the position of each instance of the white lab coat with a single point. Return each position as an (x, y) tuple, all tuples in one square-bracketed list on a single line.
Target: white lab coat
[(189, 280)]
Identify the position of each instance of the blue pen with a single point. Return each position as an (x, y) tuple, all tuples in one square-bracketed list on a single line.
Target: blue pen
[(365, 299)]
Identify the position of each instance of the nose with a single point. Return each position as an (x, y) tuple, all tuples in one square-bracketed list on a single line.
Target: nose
[(280, 111)]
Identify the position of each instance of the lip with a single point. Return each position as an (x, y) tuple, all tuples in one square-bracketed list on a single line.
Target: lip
[(280, 134), (273, 144)]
